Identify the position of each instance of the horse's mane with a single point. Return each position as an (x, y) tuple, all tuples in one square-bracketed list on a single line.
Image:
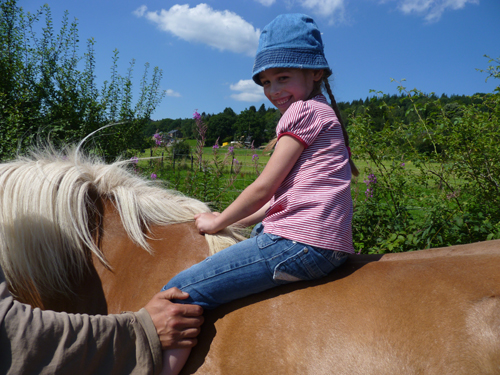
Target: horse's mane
[(46, 199)]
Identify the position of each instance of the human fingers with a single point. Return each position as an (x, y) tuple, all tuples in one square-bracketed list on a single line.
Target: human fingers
[(185, 343), (173, 293), (185, 323), (178, 308)]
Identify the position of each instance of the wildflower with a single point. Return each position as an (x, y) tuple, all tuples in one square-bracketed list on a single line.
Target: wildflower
[(255, 157), (134, 159), (201, 129), (370, 185), (215, 147), (158, 139), (153, 176), (403, 165), (236, 161), (230, 149)]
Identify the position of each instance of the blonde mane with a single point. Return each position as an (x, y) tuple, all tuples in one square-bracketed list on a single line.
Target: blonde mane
[(45, 200)]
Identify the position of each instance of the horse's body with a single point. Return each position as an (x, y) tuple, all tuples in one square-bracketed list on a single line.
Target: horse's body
[(428, 312)]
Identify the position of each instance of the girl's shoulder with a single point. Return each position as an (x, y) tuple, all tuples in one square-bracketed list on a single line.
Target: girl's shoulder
[(304, 107)]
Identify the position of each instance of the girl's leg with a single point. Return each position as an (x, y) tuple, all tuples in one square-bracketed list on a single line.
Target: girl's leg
[(249, 267), (232, 273), (208, 283), (252, 266)]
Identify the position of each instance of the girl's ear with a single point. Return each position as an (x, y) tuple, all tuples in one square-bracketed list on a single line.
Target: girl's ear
[(318, 75)]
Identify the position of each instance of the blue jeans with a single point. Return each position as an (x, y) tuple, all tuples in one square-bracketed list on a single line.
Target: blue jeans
[(252, 266)]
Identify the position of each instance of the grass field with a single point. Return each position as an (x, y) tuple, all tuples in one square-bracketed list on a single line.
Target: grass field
[(177, 175)]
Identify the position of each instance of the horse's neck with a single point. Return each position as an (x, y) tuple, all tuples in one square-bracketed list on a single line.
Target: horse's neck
[(136, 275)]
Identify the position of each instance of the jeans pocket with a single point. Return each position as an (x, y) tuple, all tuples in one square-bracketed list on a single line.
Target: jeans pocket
[(267, 239), (301, 266), (336, 258)]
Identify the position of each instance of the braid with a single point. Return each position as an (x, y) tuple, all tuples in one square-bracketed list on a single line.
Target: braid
[(328, 88)]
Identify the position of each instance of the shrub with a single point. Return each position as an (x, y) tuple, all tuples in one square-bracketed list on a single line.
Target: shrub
[(437, 178)]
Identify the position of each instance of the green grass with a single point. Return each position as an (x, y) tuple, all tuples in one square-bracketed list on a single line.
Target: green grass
[(178, 178)]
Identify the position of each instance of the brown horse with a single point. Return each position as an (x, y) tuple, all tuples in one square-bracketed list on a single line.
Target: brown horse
[(427, 312)]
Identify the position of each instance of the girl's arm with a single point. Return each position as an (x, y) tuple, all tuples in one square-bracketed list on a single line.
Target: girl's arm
[(254, 218), (259, 192)]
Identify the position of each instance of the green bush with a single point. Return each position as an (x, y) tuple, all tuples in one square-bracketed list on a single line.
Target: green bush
[(48, 91), (432, 182), (181, 150)]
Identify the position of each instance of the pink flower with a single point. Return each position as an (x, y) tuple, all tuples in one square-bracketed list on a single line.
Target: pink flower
[(196, 115), (153, 176), (134, 159)]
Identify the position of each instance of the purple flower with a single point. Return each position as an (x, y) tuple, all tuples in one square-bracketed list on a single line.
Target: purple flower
[(196, 115), (134, 159), (158, 139), (215, 146), (403, 165), (372, 180), (153, 176), (230, 149), (255, 157), (236, 161)]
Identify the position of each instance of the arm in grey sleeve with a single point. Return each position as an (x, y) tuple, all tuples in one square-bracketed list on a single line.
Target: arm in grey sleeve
[(33, 341)]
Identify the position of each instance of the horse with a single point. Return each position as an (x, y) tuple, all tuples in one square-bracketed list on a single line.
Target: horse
[(80, 235)]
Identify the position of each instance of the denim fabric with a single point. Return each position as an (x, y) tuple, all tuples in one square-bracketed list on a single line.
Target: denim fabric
[(252, 266), (290, 41), (257, 229)]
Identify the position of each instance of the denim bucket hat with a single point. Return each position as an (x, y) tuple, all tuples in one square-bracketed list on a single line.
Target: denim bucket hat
[(290, 41)]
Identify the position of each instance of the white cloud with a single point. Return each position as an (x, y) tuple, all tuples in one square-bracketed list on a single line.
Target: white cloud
[(266, 3), (432, 10), (173, 93), (223, 30), (249, 91), (139, 12), (324, 7)]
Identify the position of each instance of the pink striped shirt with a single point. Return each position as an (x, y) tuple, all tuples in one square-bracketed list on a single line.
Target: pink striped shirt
[(313, 205)]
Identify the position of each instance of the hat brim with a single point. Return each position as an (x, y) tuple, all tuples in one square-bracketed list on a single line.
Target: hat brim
[(288, 58)]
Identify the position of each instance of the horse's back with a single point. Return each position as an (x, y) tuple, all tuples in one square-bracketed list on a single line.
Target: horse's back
[(428, 315)]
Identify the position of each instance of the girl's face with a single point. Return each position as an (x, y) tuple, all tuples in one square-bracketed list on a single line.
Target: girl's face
[(284, 86)]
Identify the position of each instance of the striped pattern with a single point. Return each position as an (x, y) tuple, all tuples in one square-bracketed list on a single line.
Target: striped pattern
[(313, 205)]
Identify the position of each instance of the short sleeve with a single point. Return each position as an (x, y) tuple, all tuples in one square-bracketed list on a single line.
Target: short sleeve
[(299, 122)]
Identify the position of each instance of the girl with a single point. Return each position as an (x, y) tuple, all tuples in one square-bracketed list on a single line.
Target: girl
[(303, 195)]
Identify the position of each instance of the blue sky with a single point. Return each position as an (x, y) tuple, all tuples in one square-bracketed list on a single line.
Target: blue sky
[(206, 50)]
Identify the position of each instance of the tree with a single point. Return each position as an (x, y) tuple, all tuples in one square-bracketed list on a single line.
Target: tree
[(221, 126), (48, 91)]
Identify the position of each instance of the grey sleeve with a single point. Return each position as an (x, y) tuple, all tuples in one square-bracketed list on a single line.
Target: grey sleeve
[(33, 341)]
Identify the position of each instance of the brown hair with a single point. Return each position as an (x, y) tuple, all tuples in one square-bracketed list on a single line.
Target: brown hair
[(317, 88)]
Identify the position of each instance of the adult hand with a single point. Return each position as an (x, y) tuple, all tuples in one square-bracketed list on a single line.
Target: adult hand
[(177, 325), (206, 222)]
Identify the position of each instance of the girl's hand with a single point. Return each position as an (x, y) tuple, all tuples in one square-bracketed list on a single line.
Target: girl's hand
[(206, 222)]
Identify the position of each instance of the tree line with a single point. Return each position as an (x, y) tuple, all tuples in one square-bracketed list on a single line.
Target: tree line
[(259, 125)]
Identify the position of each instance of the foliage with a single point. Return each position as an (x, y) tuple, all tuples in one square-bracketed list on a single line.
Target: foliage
[(437, 177), (251, 125), (48, 90), (206, 179)]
